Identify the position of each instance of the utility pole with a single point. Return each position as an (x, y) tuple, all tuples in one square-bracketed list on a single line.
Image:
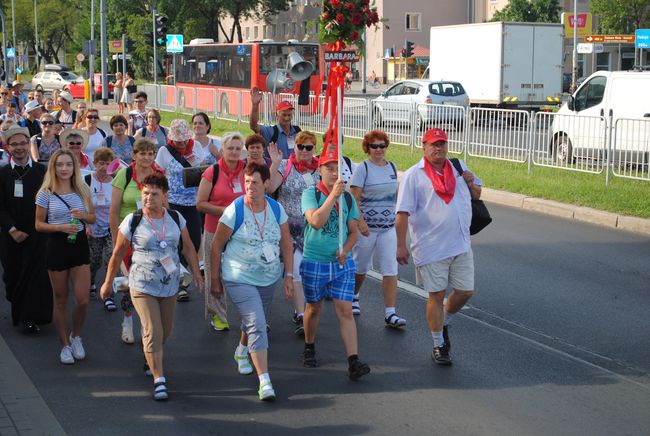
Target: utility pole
[(13, 27), (575, 46), (104, 51), (91, 57), (4, 42), (124, 53), (363, 64), (153, 45), (36, 34)]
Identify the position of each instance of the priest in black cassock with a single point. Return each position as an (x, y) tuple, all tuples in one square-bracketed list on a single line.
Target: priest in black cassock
[(23, 249)]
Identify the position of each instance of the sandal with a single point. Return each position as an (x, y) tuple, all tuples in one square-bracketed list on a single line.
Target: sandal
[(109, 304), (394, 321), (160, 391)]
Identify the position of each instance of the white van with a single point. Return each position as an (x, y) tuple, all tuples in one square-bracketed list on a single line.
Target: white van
[(581, 126)]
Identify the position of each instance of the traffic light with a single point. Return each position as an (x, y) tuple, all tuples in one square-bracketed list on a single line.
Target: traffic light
[(408, 49), (161, 30), (148, 37)]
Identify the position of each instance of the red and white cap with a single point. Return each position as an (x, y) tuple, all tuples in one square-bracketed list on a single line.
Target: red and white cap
[(284, 106), (434, 135)]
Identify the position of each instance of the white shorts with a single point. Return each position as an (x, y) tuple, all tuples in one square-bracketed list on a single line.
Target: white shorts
[(297, 259), (457, 271), (380, 246)]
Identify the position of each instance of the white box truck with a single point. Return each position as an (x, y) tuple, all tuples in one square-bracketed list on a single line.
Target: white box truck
[(501, 64)]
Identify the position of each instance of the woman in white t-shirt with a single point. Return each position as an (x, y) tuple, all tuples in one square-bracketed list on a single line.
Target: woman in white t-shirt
[(95, 134), (211, 146), (374, 186)]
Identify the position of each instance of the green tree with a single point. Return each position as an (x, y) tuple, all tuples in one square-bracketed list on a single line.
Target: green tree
[(257, 9), (621, 16), (530, 11)]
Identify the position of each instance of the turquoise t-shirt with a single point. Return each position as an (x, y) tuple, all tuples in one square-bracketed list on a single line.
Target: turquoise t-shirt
[(243, 261), (321, 245)]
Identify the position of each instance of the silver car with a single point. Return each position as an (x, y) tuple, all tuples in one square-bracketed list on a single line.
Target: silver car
[(426, 103), (51, 80)]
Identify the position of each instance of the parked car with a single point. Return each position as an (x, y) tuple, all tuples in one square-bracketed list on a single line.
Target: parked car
[(97, 85), (418, 97), (56, 76)]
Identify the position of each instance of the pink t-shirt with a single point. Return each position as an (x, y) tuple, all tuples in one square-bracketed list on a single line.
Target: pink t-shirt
[(221, 195)]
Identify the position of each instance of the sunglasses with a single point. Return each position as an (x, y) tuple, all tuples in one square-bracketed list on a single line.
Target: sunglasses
[(75, 143), (4, 93), (305, 147), (47, 123), (378, 145), (18, 144), (92, 117)]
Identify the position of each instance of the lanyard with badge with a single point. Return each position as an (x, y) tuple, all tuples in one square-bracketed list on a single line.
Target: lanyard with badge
[(101, 196), (18, 183), (268, 254), (166, 261)]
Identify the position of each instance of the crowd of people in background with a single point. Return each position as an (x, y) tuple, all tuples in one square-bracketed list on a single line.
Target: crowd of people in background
[(265, 213)]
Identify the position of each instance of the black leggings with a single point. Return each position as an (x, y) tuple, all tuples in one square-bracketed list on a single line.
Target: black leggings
[(193, 222)]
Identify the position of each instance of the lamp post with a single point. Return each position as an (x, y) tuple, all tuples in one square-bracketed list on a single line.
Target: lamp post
[(575, 46), (36, 34), (13, 29)]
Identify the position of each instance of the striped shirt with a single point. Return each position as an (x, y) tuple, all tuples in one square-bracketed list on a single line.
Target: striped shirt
[(57, 211)]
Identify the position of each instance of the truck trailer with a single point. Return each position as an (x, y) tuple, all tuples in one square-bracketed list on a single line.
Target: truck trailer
[(507, 65)]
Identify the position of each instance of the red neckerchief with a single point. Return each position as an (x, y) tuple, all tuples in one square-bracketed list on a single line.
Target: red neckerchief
[(186, 151), (84, 160), (326, 191), (223, 168), (301, 165), (134, 177), (445, 184)]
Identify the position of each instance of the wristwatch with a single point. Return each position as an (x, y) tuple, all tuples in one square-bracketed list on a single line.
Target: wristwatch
[(12, 229)]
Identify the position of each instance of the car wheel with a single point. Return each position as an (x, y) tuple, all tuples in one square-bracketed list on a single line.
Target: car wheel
[(223, 107), (562, 150)]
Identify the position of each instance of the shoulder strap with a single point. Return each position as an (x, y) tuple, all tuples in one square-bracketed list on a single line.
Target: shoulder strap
[(143, 132), (365, 178), (162, 129), (275, 207), (346, 195), (38, 141), (131, 140), (128, 176), (392, 165), (101, 132), (239, 213), (109, 141), (456, 163), (276, 134), (215, 177), (74, 116), (135, 220), (176, 155), (89, 179), (61, 198)]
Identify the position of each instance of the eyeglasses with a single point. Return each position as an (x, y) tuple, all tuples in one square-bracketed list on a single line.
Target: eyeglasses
[(92, 117), (75, 143), (18, 144), (47, 123), (380, 145), (4, 93), (305, 147), (30, 98), (138, 101)]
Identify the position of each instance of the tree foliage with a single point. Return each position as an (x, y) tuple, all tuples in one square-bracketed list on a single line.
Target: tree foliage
[(621, 16), (530, 11)]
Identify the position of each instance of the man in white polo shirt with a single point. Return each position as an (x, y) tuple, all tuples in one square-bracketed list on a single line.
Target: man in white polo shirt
[(435, 200)]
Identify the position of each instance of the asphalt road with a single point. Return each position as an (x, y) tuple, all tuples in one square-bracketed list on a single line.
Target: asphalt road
[(555, 342)]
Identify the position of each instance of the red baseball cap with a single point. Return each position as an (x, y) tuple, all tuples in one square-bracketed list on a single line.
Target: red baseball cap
[(284, 106), (434, 135)]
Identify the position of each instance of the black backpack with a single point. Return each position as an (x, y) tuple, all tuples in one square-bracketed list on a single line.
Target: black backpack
[(276, 132), (137, 217), (109, 140)]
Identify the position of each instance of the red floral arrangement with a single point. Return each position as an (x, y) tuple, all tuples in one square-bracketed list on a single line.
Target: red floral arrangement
[(343, 21)]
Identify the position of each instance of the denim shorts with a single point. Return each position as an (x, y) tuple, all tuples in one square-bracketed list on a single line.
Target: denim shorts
[(327, 279)]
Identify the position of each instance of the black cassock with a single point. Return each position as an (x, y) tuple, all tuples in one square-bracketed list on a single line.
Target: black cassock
[(26, 281)]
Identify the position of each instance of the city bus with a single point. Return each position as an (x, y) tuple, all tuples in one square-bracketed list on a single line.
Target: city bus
[(208, 75)]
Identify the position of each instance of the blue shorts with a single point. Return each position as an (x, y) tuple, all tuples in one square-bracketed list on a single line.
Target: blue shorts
[(327, 279)]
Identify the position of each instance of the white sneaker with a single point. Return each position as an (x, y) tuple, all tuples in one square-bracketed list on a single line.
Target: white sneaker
[(127, 332), (243, 364), (266, 392), (66, 355), (77, 348)]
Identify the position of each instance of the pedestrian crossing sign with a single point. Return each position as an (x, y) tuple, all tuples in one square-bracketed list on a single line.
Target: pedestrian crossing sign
[(174, 43), (11, 53)]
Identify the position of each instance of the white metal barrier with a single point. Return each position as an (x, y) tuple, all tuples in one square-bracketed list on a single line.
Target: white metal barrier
[(500, 134), (570, 142), (396, 118), (630, 150), (452, 119)]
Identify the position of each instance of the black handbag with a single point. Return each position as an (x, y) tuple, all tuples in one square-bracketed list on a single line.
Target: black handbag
[(131, 89), (480, 214)]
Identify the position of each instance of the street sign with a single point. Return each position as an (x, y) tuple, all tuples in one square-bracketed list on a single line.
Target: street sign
[(19, 71), (174, 43), (341, 56), (81, 57), (642, 38), (89, 47), (11, 53), (611, 39), (115, 46), (585, 48), (582, 23)]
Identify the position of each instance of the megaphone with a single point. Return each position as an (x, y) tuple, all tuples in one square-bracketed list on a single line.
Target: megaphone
[(279, 80), (299, 69)]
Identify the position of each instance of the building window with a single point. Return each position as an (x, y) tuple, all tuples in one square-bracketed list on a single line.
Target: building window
[(247, 32), (255, 33), (293, 29), (274, 30), (305, 30), (602, 62), (315, 27), (413, 21), (285, 28)]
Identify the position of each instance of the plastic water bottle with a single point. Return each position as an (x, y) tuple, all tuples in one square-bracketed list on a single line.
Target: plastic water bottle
[(120, 284), (73, 238)]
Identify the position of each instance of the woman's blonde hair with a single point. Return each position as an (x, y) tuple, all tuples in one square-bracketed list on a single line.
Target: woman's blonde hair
[(78, 185), (231, 136)]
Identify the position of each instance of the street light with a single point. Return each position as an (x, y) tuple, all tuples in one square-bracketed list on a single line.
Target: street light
[(575, 46)]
